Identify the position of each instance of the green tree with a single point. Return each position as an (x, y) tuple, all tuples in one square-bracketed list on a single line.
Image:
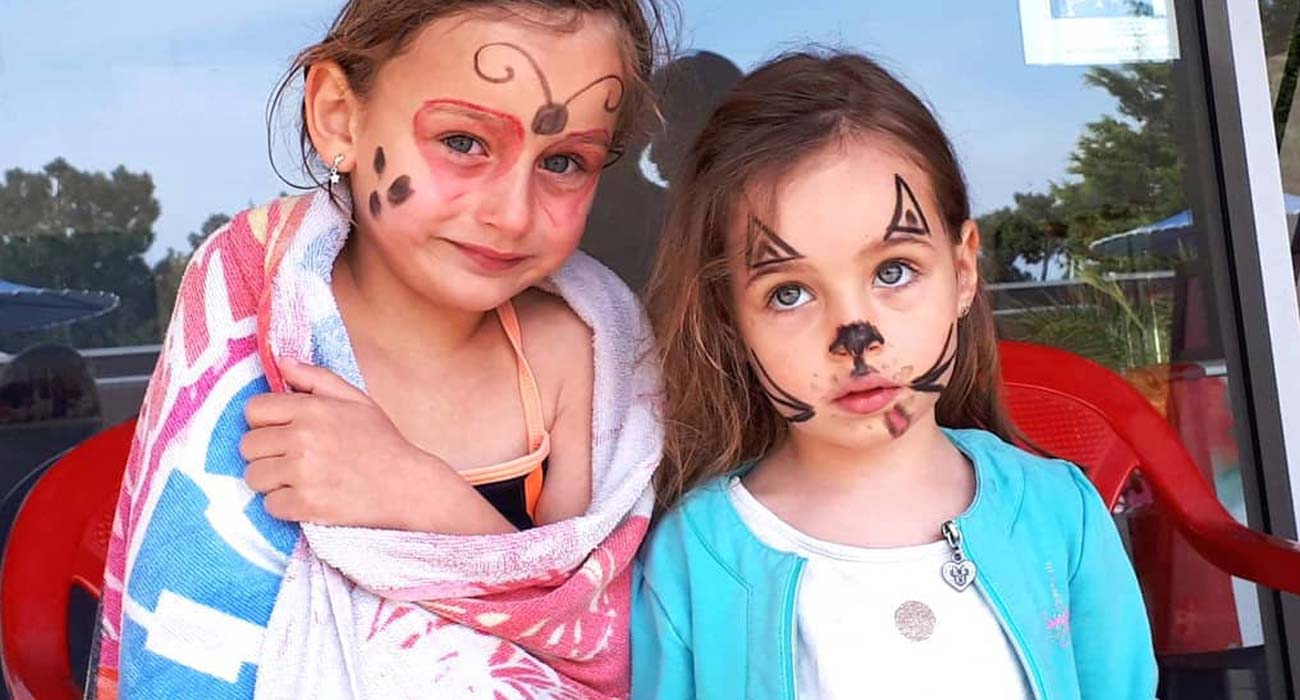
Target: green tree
[(1031, 232), (63, 228), (1127, 171), (1279, 18)]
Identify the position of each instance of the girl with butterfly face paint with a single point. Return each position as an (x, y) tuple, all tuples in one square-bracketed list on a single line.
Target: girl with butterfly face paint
[(373, 461), (843, 497)]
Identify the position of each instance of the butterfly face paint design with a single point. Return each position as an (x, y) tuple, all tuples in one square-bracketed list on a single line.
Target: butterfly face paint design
[(552, 116)]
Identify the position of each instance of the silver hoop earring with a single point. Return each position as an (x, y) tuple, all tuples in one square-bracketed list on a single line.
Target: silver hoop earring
[(334, 169)]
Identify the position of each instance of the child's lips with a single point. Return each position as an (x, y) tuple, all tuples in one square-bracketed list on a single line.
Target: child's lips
[(867, 395), (489, 259)]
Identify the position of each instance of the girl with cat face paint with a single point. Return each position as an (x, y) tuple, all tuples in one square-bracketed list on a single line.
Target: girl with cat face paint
[(844, 512)]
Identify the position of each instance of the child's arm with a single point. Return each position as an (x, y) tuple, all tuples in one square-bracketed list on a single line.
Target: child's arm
[(566, 492), (206, 560), (329, 455), (1108, 619), (662, 666)]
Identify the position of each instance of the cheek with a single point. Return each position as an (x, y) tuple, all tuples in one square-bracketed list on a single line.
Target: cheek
[(558, 242), (566, 209), (446, 183), (796, 358)]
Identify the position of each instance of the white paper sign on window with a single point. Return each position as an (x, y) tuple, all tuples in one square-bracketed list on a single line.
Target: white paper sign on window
[(1076, 32)]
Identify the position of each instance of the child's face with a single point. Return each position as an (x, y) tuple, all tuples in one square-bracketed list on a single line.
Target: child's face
[(847, 289), (472, 184)]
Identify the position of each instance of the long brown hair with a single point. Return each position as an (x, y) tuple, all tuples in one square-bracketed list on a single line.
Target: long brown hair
[(716, 413), (366, 34)]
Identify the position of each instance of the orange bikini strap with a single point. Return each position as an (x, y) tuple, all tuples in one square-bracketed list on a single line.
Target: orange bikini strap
[(531, 395)]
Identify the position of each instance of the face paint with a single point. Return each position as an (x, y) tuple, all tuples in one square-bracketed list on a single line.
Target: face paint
[(852, 340), (552, 116), (766, 248), (454, 174), (782, 398), (908, 217), (928, 381), (400, 190), (897, 421)]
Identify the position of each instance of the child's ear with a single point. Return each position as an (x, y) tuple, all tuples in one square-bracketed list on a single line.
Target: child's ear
[(967, 258), (331, 110)]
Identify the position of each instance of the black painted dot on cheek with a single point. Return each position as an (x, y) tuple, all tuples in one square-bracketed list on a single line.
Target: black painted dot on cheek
[(374, 204), (380, 161), (400, 190)]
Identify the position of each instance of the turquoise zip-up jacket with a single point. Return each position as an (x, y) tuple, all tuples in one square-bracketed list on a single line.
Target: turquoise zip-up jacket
[(713, 607)]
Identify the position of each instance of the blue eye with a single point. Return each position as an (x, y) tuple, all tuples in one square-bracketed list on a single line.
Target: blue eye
[(788, 296), (895, 273), (461, 143), (561, 164)]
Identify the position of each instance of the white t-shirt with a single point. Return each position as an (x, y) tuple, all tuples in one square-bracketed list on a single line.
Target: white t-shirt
[(882, 622)]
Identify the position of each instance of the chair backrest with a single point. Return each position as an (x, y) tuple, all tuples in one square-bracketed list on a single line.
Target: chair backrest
[(1050, 395), (1083, 412), (58, 542)]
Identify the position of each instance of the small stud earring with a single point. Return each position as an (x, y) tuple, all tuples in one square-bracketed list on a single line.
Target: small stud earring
[(334, 169)]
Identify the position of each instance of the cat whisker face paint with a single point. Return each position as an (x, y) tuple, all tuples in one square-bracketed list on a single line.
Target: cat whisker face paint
[(792, 409), (929, 380)]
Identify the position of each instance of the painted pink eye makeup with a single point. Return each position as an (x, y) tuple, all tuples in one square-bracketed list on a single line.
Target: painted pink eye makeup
[(464, 143), (466, 146)]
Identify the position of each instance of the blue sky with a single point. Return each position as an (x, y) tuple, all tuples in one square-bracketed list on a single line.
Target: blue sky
[(178, 88)]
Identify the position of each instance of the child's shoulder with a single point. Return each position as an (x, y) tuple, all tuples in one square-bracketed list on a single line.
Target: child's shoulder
[(559, 348), (546, 320), (243, 241), (1023, 482), (983, 445), (556, 340), (704, 521)]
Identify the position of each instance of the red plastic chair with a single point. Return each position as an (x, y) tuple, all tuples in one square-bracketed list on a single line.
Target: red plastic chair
[(1083, 412), (59, 540)]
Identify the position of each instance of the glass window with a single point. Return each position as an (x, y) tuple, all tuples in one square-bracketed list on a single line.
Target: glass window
[(1281, 24)]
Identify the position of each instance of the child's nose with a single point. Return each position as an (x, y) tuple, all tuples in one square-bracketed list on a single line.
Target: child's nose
[(507, 205)]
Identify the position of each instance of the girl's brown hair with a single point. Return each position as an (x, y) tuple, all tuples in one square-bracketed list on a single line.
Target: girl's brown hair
[(716, 413), (366, 34)]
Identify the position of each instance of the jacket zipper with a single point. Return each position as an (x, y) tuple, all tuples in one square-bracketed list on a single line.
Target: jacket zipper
[(1000, 611), (791, 600)]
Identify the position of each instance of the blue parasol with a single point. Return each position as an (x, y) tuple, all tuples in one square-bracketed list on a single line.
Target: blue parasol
[(24, 308), (1165, 237)]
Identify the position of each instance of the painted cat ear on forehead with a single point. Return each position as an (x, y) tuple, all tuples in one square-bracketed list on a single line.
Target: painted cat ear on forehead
[(908, 215), (765, 247)]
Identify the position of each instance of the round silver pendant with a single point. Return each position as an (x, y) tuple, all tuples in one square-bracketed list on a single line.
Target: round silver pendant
[(914, 620)]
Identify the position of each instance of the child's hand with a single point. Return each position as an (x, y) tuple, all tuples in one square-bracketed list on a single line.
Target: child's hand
[(330, 455)]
